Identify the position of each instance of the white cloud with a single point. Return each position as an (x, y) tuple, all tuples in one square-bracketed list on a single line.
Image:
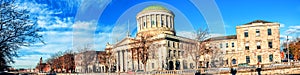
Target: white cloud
[(55, 39), (216, 35), (29, 61), (282, 25), (84, 34), (293, 29)]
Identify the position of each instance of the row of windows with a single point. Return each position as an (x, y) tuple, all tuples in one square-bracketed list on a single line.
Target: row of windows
[(174, 53), (259, 58), (180, 45), (227, 45), (258, 45), (257, 31), (172, 44), (168, 20)]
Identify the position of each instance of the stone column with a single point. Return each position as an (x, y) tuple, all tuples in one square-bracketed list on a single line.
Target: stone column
[(126, 60), (159, 20), (181, 64), (122, 65), (150, 20), (145, 21), (167, 21), (171, 24), (141, 23), (118, 60), (155, 20)]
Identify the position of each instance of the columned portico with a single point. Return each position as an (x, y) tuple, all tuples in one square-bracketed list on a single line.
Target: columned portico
[(156, 25)]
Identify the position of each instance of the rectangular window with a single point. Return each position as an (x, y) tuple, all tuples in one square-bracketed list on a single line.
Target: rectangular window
[(191, 66), (247, 59), (174, 53), (144, 24), (259, 58), (152, 65), (246, 33), (247, 46), (269, 31), (162, 23), (232, 44), (220, 45), (152, 22), (179, 53), (258, 45), (257, 32), (271, 57), (226, 45), (168, 43), (153, 55), (169, 53), (270, 44), (174, 44)]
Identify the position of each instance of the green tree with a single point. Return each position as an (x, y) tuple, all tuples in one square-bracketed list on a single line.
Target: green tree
[(17, 29)]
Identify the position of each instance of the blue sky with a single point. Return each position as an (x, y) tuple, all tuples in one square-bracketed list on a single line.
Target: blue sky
[(70, 24)]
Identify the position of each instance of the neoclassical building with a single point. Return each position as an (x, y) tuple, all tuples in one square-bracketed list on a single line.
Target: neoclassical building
[(156, 41), (257, 41)]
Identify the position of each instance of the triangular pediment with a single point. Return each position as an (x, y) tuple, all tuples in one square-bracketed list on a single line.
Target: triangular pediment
[(125, 41)]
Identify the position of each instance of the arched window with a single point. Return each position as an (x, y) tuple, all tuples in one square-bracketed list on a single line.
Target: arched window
[(233, 61)]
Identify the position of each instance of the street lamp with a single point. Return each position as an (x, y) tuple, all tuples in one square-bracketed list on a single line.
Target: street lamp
[(287, 47)]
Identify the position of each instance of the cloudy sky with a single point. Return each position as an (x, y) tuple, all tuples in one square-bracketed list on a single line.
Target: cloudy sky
[(71, 24)]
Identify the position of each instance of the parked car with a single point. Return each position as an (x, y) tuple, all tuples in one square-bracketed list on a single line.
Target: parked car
[(139, 71), (245, 66)]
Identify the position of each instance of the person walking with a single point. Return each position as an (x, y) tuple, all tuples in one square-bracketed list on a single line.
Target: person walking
[(233, 71), (258, 69)]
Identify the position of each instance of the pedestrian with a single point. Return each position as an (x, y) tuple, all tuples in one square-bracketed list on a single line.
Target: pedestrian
[(258, 69), (233, 71), (198, 72)]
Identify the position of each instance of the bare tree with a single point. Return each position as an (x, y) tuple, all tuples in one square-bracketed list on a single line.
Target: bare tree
[(17, 29), (154, 53), (141, 54), (111, 58), (54, 61), (144, 54), (195, 50), (216, 57), (85, 58)]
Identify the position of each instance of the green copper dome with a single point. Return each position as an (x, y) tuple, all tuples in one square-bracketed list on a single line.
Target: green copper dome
[(155, 7)]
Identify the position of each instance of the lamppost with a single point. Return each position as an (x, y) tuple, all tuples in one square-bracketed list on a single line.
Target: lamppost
[(287, 47)]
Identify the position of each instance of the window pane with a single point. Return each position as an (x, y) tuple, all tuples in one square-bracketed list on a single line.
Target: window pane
[(270, 44), (226, 45), (271, 57), (246, 33), (257, 32), (233, 61), (259, 58), (247, 59), (269, 31), (258, 45), (247, 46), (232, 44)]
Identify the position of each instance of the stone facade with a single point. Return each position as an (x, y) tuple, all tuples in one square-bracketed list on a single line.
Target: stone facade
[(257, 41), (90, 62), (156, 40), (262, 38)]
